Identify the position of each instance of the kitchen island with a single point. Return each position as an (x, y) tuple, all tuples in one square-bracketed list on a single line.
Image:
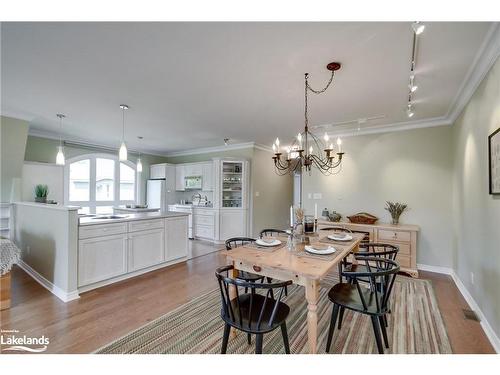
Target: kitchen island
[(69, 254)]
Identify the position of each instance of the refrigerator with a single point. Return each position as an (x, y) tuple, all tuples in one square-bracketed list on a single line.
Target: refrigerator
[(158, 196)]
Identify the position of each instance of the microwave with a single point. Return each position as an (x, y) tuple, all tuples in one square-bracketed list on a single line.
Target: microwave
[(192, 182)]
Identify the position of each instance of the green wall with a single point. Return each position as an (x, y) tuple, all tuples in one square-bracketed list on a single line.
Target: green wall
[(246, 153), (44, 150), (13, 133)]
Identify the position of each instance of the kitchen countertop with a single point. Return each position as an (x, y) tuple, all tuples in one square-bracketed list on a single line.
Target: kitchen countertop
[(130, 209), (130, 217)]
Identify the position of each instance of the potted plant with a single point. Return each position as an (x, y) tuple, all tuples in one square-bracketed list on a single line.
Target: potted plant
[(395, 209), (41, 192)]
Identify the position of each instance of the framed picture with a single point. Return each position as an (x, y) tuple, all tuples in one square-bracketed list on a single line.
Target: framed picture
[(494, 161)]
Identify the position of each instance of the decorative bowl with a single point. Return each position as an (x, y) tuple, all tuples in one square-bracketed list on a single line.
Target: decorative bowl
[(363, 218)]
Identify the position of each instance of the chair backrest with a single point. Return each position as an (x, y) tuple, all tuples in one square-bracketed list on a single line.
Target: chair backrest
[(381, 250), (243, 309), (337, 229), (381, 274), (272, 232), (231, 243)]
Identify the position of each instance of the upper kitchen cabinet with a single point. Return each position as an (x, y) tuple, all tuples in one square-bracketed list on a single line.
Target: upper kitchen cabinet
[(208, 176), (179, 177), (157, 171), (163, 171), (193, 170)]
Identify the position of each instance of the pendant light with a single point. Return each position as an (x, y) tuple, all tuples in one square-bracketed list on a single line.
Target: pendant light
[(123, 153), (60, 160), (139, 162)]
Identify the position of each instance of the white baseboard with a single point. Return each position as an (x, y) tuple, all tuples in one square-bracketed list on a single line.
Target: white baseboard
[(55, 290), (490, 333), (488, 330), (437, 269)]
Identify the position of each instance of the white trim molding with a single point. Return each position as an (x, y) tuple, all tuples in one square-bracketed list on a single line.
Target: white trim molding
[(55, 290), (488, 330), (207, 150)]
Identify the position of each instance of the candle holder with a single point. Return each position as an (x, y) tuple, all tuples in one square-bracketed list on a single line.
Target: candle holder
[(315, 225)]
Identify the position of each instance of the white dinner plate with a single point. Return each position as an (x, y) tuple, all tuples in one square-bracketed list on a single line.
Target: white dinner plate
[(274, 242), (321, 251), (336, 237)]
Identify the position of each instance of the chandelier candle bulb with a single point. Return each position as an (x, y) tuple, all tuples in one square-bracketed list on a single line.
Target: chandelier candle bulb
[(339, 143), (274, 148), (326, 137)]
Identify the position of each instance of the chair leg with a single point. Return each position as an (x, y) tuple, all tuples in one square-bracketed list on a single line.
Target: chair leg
[(286, 291), (333, 320), (246, 290), (341, 316), (225, 338), (384, 331), (284, 333), (258, 343), (270, 280), (249, 338), (376, 331), (386, 324)]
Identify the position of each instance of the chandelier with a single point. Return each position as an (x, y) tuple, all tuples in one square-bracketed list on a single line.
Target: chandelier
[(307, 149)]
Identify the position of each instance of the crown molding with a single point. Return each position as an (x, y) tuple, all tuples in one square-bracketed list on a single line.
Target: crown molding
[(207, 150), (394, 127), (485, 58)]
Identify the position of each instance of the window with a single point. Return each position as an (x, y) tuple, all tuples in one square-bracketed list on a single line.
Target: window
[(99, 182), (79, 180)]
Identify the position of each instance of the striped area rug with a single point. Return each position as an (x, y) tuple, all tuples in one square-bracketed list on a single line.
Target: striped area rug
[(415, 326)]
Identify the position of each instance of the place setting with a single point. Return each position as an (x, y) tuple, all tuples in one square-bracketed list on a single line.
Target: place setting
[(318, 250), (267, 243)]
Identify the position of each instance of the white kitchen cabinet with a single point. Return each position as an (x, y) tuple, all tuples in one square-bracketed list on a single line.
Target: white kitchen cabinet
[(157, 171), (232, 223), (204, 223), (176, 238), (145, 248), (179, 177), (193, 169), (101, 258), (208, 176)]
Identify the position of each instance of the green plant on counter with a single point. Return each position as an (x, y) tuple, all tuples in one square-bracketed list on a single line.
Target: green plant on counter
[(41, 192), (395, 209)]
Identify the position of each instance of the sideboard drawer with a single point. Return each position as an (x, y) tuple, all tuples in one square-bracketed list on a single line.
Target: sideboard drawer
[(393, 235), (404, 248), (135, 226), (98, 230), (403, 261)]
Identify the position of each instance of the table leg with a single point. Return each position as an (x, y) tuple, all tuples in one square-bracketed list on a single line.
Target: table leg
[(232, 294), (312, 297)]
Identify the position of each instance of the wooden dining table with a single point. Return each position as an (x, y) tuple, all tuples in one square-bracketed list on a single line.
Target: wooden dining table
[(297, 265)]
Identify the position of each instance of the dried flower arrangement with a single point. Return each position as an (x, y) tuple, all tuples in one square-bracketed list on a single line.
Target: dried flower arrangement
[(395, 209)]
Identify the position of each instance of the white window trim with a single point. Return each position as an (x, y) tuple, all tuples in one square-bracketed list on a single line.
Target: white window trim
[(92, 182)]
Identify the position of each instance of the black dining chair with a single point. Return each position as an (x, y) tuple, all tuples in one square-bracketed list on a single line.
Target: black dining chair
[(336, 228), (273, 232), (231, 243), (255, 313), (372, 249), (372, 301)]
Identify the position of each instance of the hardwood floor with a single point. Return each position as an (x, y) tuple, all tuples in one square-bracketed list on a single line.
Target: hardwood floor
[(105, 314)]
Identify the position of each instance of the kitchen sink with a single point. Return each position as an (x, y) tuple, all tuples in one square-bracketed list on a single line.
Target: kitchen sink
[(109, 217)]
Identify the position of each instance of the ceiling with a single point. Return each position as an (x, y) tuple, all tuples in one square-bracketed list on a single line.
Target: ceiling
[(190, 85)]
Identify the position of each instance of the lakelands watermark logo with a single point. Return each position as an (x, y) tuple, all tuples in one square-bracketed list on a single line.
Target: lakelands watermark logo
[(11, 340)]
